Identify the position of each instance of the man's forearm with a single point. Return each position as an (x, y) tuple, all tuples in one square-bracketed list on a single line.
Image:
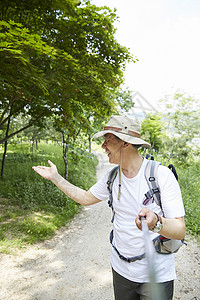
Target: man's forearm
[(75, 193), (173, 228), (72, 191)]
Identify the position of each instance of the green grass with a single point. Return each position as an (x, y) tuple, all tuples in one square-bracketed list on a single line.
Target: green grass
[(189, 179), (19, 227), (32, 208)]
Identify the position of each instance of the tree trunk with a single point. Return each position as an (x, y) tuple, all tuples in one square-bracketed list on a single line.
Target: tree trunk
[(90, 142), (29, 146), (32, 145), (3, 160), (22, 129), (65, 150), (5, 144)]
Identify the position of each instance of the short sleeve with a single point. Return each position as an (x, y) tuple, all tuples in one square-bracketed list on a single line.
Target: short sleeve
[(171, 197), (99, 189)]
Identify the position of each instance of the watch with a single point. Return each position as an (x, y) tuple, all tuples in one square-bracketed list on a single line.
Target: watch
[(157, 228)]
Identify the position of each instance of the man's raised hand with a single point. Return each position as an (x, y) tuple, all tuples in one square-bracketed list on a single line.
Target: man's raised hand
[(47, 172)]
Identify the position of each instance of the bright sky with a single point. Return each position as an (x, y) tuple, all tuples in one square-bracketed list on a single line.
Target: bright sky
[(165, 36)]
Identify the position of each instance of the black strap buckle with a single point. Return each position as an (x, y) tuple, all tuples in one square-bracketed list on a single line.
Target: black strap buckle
[(152, 178), (156, 190)]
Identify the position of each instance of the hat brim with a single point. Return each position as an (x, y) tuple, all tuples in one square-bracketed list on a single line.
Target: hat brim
[(125, 137)]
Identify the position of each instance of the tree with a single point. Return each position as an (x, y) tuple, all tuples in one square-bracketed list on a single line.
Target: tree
[(182, 116), (83, 65), (124, 99), (22, 84), (89, 63), (152, 130)]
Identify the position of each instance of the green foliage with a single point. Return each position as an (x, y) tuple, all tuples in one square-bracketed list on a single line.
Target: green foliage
[(22, 81), (32, 208), (152, 130), (189, 179), (83, 63), (124, 99), (19, 74), (182, 119), (180, 125)]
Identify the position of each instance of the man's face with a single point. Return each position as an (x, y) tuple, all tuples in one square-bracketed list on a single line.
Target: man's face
[(113, 147)]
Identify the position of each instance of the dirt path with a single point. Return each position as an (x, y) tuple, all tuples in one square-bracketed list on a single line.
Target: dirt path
[(75, 263)]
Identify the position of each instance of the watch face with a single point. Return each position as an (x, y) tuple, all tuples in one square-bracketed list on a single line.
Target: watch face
[(158, 227)]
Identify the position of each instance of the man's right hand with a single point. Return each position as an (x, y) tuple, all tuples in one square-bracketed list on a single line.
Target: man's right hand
[(77, 194), (47, 172)]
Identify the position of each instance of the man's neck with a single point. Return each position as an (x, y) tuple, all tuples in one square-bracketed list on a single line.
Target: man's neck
[(132, 164)]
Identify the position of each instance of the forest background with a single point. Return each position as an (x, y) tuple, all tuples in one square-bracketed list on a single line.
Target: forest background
[(61, 78)]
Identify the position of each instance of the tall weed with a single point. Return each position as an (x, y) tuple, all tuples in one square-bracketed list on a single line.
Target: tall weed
[(32, 208), (189, 179)]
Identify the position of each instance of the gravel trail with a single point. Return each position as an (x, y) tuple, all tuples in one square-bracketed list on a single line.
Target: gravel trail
[(74, 264)]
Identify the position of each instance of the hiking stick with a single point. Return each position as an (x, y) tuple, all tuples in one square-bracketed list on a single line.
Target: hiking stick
[(156, 292)]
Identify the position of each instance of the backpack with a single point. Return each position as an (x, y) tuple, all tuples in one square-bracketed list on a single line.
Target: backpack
[(162, 245)]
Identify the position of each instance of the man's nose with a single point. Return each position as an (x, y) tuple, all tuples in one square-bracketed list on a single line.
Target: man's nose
[(103, 145)]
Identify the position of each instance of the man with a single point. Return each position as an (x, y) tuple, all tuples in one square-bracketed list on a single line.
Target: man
[(130, 279)]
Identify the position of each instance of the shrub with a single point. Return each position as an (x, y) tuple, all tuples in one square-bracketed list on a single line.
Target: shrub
[(32, 207), (189, 179)]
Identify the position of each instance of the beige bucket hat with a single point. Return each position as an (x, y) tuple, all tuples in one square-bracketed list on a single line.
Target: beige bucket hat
[(125, 128)]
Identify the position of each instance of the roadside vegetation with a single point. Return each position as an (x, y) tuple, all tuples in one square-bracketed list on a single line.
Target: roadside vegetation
[(32, 208), (189, 178), (60, 77), (175, 138)]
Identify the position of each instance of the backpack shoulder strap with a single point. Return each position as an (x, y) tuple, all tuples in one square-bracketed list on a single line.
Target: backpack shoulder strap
[(172, 168), (111, 178), (151, 176)]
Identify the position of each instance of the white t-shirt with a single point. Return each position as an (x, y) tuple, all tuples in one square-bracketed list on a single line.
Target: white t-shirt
[(128, 239)]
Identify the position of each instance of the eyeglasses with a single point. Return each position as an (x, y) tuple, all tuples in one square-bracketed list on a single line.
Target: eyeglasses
[(107, 139)]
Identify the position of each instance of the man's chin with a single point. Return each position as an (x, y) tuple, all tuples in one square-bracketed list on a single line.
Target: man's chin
[(110, 159)]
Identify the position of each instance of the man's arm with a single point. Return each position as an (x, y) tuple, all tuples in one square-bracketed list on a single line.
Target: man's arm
[(173, 228), (77, 194)]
